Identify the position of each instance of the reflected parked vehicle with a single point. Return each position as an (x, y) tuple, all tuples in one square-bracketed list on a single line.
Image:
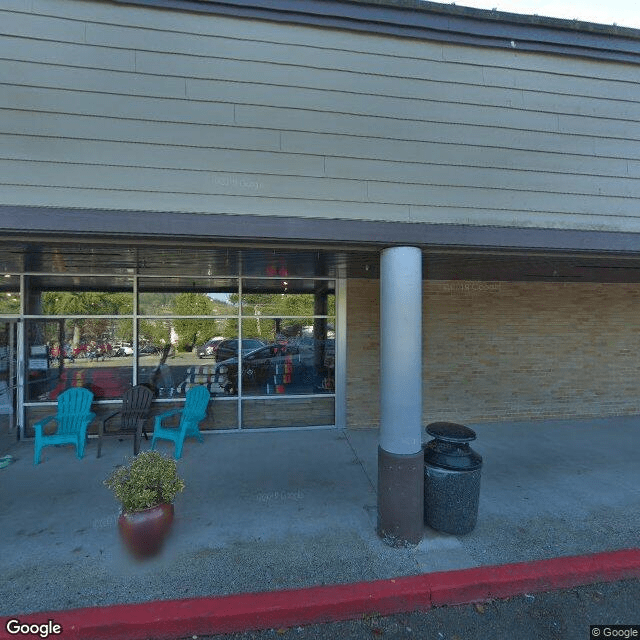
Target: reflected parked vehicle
[(229, 348), (209, 348), (99, 351), (274, 368), (122, 349), (148, 349)]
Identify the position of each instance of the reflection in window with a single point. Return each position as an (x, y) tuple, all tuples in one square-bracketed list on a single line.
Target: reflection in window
[(86, 303), (9, 302), (288, 329), (298, 357), (95, 353), (188, 334), (9, 295), (288, 298), (174, 354), (186, 297)]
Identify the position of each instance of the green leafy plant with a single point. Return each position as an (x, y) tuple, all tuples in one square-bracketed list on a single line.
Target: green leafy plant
[(148, 480)]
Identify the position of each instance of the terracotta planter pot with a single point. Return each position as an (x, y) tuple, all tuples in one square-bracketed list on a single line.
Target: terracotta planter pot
[(143, 532)]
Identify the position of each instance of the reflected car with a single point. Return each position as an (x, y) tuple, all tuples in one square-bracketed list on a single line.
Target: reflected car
[(121, 349), (148, 349), (311, 350), (266, 369), (208, 349), (229, 348)]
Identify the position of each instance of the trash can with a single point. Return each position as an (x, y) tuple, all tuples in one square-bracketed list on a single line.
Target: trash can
[(451, 478)]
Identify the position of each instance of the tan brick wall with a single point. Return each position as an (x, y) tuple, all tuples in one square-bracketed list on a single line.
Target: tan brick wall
[(363, 353), (501, 351)]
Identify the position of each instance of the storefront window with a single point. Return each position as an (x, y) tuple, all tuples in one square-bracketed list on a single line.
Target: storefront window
[(264, 347), (77, 296), (94, 353), (298, 357), (288, 297), (187, 296), (171, 361)]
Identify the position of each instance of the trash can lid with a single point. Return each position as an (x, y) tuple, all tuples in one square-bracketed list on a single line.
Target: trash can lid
[(451, 432), (455, 457)]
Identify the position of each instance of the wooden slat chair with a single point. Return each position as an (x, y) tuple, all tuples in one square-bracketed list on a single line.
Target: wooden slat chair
[(193, 412), (136, 404), (73, 417)]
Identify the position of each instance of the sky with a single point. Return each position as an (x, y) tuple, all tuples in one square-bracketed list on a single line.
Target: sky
[(624, 13)]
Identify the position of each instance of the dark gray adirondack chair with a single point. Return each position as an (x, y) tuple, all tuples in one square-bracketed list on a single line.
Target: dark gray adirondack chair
[(136, 403)]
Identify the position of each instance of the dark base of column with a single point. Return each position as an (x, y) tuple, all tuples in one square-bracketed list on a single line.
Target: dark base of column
[(400, 498)]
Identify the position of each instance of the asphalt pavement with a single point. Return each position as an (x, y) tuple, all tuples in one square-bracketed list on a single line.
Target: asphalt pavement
[(565, 614)]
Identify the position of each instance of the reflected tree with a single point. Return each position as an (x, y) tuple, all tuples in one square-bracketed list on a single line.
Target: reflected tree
[(263, 313), (157, 332), (9, 302), (89, 303), (192, 331)]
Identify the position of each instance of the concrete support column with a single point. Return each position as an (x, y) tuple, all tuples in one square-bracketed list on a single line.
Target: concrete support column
[(400, 458)]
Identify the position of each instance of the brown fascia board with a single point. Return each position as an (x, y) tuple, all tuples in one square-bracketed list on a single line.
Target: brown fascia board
[(432, 21)]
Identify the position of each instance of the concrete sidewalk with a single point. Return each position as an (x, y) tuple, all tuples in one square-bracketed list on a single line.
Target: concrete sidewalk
[(265, 511)]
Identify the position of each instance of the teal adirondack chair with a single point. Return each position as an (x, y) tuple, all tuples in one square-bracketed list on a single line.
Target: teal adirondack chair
[(73, 417), (193, 412)]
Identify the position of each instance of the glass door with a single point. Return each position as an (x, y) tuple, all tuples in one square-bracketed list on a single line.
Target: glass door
[(8, 375)]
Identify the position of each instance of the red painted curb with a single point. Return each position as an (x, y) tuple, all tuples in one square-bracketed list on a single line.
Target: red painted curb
[(166, 620)]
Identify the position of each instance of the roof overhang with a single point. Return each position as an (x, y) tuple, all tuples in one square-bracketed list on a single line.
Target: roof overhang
[(38, 239), (432, 21), (98, 224)]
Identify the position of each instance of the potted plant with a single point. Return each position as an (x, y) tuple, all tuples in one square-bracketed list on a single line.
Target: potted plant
[(146, 488)]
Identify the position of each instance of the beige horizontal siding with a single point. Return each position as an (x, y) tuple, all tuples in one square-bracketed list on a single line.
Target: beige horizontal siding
[(17, 5), (104, 104), (104, 198), (499, 198), (62, 53), (90, 103), (516, 62), (178, 180), (368, 142), (121, 83), (133, 130), (464, 176), (144, 155), (29, 24)]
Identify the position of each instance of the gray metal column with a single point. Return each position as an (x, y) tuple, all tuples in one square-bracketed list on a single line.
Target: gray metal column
[(400, 457)]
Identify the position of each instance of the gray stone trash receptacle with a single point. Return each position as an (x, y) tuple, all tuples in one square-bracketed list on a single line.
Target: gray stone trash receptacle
[(451, 478)]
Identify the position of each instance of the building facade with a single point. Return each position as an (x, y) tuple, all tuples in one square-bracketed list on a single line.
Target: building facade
[(173, 172)]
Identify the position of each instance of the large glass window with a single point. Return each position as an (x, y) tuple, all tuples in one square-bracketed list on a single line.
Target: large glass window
[(175, 363), (263, 346), (82, 303), (182, 322), (78, 352), (298, 358), (186, 296)]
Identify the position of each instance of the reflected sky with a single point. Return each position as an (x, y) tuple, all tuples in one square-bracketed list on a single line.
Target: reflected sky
[(623, 13)]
